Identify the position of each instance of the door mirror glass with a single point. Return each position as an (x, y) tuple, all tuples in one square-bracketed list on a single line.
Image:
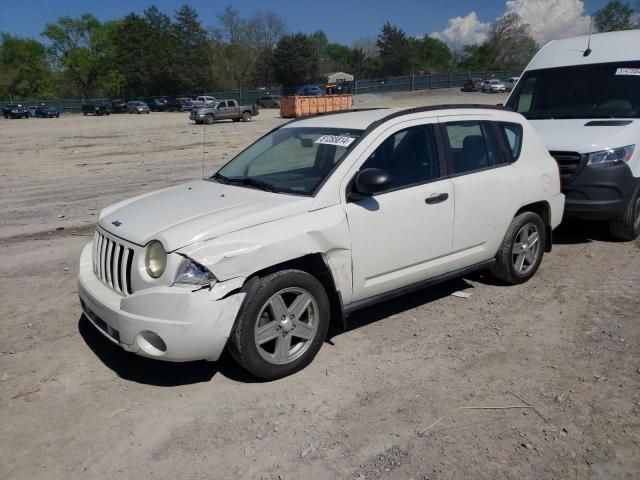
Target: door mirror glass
[(373, 180)]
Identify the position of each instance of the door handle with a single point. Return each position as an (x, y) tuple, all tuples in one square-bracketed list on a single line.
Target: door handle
[(436, 198)]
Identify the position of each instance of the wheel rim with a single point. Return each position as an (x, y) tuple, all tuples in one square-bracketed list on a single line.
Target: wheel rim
[(286, 326), (526, 249)]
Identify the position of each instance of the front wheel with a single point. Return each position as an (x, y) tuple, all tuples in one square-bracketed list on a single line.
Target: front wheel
[(522, 249), (210, 119), (627, 226), (246, 117), (281, 325)]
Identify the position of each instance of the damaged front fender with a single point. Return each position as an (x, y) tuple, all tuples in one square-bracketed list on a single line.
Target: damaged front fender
[(240, 254)]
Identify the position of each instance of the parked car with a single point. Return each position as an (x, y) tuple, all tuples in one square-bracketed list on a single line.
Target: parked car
[(510, 83), (224, 110), (137, 106), (493, 86), (311, 90), (269, 101), (44, 111), (96, 109), (15, 110), (472, 85), (179, 104), (157, 104), (119, 106), (203, 101), (586, 106), (319, 218)]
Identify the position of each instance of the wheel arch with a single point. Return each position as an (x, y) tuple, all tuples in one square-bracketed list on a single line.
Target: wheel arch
[(543, 209), (317, 265)]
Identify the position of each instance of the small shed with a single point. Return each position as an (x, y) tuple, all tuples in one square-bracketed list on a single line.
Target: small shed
[(339, 77)]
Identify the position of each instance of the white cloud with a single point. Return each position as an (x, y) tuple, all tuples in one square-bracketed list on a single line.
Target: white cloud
[(552, 19), (462, 31), (549, 20)]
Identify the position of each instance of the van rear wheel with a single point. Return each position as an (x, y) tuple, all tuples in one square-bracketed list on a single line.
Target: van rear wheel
[(627, 226), (522, 249)]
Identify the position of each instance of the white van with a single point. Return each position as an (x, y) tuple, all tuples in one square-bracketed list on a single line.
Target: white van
[(583, 96)]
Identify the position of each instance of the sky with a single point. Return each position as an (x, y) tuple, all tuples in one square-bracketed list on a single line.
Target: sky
[(457, 22)]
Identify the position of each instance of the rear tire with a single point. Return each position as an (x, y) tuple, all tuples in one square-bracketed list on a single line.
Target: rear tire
[(246, 117), (627, 226), (522, 249), (292, 335)]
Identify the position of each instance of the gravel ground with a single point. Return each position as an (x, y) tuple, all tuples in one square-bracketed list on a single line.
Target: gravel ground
[(384, 399)]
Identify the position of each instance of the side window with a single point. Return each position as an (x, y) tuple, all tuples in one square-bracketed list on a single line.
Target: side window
[(473, 146), (512, 133), (524, 99), (410, 156), (231, 103), (222, 105)]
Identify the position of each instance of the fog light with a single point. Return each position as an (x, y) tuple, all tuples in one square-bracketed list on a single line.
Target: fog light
[(151, 343)]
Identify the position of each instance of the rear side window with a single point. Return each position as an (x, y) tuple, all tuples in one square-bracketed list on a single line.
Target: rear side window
[(512, 133), (473, 146)]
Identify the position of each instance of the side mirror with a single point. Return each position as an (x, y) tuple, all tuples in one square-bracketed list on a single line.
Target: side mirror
[(371, 181)]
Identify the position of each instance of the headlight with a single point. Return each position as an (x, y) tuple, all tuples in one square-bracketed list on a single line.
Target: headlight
[(612, 155), (155, 259), (192, 273)]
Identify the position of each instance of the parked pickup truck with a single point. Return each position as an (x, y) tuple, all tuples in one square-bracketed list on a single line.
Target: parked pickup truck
[(222, 110), (96, 109)]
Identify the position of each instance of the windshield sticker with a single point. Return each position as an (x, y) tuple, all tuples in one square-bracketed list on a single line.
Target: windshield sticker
[(628, 71), (335, 140)]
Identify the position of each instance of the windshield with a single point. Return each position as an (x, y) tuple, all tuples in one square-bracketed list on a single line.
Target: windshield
[(290, 160), (605, 90)]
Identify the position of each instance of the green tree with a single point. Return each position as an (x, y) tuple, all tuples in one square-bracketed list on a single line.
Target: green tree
[(430, 55), (193, 44), (79, 46), (295, 61), (615, 15), (24, 70), (395, 51)]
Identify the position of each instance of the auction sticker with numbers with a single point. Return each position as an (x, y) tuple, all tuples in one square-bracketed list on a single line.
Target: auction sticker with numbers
[(335, 140), (628, 71)]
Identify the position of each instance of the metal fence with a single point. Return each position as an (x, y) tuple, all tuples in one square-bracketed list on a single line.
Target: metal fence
[(406, 83)]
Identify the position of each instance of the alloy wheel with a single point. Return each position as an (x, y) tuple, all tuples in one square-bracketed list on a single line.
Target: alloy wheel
[(526, 249)]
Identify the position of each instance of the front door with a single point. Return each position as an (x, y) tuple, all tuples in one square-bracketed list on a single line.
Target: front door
[(402, 236)]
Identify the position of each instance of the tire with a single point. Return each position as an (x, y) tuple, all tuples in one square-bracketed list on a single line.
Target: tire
[(209, 119), (85, 114), (277, 356), (627, 226), (513, 267), (246, 117)]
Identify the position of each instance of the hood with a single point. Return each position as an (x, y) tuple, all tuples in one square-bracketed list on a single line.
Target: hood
[(196, 211), (575, 136)]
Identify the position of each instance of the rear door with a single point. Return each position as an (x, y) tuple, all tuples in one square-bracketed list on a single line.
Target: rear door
[(486, 187)]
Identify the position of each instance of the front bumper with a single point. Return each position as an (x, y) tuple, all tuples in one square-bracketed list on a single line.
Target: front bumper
[(192, 325), (599, 192)]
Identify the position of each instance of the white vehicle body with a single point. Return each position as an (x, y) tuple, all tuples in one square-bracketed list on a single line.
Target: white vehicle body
[(204, 101), (493, 86), (371, 247), (586, 106), (510, 83)]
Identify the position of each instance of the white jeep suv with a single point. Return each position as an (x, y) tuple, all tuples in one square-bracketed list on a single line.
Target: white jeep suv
[(316, 219)]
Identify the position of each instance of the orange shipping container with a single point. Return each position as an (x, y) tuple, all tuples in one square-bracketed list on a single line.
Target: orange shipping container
[(298, 106)]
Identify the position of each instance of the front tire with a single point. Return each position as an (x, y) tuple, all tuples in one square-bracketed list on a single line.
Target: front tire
[(281, 325), (210, 119), (627, 226), (522, 249)]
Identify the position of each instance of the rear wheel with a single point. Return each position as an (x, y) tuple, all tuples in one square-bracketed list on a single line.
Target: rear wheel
[(522, 249), (246, 117), (281, 325), (627, 226)]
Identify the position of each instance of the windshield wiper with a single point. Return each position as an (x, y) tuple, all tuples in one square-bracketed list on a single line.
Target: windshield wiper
[(220, 178), (252, 182)]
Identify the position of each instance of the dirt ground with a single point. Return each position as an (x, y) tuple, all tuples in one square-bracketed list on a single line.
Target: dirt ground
[(388, 398)]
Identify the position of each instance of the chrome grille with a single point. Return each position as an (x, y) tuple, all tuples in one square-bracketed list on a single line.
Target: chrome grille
[(568, 163), (112, 263)]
